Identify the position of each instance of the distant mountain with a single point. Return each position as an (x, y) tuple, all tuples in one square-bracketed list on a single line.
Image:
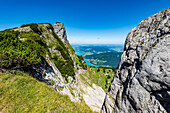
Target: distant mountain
[(107, 59), (96, 49), (100, 55)]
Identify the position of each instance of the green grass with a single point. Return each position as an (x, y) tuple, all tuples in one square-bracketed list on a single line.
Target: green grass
[(84, 80), (20, 93), (99, 76), (30, 35), (70, 48)]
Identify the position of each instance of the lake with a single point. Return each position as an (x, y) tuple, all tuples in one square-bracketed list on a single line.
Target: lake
[(88, 63), (104, 55), (79, 53)]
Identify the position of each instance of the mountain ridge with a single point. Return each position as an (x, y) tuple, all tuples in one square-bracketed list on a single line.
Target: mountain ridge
[(43, 51)]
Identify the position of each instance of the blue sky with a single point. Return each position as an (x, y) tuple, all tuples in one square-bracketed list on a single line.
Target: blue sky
[(86, 21)]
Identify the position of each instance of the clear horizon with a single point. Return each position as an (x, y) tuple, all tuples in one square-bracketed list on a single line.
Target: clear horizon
[(86, 21)]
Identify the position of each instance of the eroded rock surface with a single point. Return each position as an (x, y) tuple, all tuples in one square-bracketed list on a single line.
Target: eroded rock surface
[(92, 95), (59, 29), (142, 81)]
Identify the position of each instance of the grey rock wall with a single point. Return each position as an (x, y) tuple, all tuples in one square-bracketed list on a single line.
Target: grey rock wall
[(59, 29), (142, 81)]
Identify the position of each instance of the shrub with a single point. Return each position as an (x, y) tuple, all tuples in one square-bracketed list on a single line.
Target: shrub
[(66, 65), (18, 54), (70, 47), (30, 35), (81, 60), (98, 69), (154, 44), (33, 26)]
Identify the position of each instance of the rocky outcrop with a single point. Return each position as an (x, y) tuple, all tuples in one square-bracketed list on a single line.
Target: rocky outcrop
[(59, 29), (93, 96), (142, 81), (58, 82)]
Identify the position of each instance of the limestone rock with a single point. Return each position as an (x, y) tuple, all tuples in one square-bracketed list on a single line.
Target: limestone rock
[(93, 96), (142, 81), (59, 29), (70, 88)]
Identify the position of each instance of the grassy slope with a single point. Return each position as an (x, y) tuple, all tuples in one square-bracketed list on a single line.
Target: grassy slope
[(101, 77), (22, 93)]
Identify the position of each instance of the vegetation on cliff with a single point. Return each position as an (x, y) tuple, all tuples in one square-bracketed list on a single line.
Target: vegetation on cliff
[(33, 26), (19, 50), (64, 62), (38, 51), (99, 76), (15, 54)]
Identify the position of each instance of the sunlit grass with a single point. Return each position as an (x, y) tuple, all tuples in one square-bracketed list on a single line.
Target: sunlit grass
[(25, 94), (99, 76)]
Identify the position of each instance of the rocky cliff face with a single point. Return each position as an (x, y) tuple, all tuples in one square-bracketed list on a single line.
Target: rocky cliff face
[(58, 67), (62, 68), (142, 81), (59, 29)]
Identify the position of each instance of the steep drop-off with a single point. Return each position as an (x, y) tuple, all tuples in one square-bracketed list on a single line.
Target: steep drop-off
[(43, 51), (57, 67), (142, 81)]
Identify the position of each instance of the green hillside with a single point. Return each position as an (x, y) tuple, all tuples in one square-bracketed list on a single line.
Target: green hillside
[(34, 61), (22, 93), (99, 76), (108, 59)]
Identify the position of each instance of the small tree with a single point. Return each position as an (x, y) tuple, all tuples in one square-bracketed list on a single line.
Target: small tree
[(98, 69)]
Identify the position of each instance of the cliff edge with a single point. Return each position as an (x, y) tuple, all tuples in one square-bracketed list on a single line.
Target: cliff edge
[(43, 52), (142, 81)]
